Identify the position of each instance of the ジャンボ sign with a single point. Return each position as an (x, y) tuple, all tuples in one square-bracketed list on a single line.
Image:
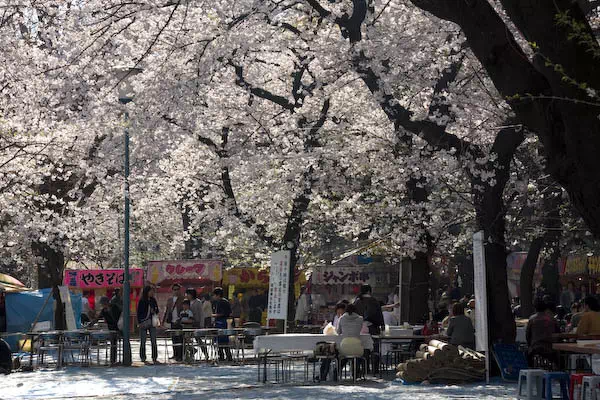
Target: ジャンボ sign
[(159, 271), (354, 275), (101, 278), (279, 285)]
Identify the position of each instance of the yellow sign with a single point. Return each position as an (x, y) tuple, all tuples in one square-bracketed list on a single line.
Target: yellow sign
[(576, 265), (254, 277), (594, 265)]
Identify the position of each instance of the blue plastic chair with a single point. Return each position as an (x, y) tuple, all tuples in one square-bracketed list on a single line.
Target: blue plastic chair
[(562, 378)]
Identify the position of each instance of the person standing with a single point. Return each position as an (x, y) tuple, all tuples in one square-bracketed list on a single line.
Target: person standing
[(174, 307), (302, 307), (146, 308), (236, 308), (370, 310), (567, 297), (116, 303), (207, 310), (199, 316), (86, 312), (108, 315), (255, 310), (221, 311)]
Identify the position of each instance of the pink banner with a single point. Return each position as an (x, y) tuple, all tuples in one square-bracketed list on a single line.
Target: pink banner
[(159, 271), (101, 278)]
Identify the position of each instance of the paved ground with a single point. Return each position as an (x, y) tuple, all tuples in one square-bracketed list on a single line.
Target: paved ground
[(202, 381), (176, 381)]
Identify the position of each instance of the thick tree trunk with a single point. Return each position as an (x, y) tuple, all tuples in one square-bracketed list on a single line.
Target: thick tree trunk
[(291, 238), (527, 274), (502, 327), (550, 278), (419, 288), (490, 216), (50, 270)]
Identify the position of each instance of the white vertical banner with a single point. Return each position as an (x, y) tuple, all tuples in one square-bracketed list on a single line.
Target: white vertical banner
[(481, 306), (65, 297), (279, 285)]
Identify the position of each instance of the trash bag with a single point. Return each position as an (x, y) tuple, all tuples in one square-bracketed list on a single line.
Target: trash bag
[(5, 358)]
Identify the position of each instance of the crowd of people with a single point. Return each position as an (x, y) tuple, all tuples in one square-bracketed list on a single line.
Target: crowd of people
[(183, 311)]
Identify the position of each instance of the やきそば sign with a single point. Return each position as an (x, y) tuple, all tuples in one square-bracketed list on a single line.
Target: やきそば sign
[(101, 278)]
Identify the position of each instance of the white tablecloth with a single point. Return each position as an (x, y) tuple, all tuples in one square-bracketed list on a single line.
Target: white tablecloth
[(301, 342)]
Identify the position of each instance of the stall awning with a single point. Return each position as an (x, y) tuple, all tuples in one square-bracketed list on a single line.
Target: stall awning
[(11, 285)]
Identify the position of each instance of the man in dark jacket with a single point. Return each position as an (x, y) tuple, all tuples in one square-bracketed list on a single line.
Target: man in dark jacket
[(221, 311), (370, 309), (174, 307), (107, 313)]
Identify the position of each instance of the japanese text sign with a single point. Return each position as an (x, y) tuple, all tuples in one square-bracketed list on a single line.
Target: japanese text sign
[(101, 278), (279, 285), (356, 275), (159, 271)]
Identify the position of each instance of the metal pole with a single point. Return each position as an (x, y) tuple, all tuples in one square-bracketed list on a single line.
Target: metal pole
[(126, 288)]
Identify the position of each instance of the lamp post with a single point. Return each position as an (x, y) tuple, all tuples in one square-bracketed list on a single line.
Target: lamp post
[(125, 97)]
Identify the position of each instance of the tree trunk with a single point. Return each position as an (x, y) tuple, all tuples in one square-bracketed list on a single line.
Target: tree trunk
[(490, 216), (552, 204), (502, 327), (419, 289), (527, 274), (50, 270)]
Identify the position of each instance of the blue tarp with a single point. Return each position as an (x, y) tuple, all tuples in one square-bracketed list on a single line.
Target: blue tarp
[(23, 307)]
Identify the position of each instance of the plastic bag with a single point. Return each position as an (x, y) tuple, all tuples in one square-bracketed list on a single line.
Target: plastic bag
[(365, 328), (329, 330)]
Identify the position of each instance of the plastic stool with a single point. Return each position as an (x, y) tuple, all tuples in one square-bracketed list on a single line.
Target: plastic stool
[(532, 378), (592, 382), (562, 378), (574, 358), (576, 380)]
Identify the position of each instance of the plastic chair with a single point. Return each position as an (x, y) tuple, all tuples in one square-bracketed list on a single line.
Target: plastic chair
[(562, 378), (592, 383), (531, 379), (576, 383)]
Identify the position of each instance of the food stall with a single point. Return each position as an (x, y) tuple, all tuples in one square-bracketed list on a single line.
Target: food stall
[(244, 280), (95, 283), (202, 275), (342, 281)]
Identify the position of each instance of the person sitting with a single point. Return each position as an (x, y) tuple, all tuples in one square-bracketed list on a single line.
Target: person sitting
[(540, 328), (460, 328), (340, 309), (590, 320), (576, 314), (350, 323), (349, 327)]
